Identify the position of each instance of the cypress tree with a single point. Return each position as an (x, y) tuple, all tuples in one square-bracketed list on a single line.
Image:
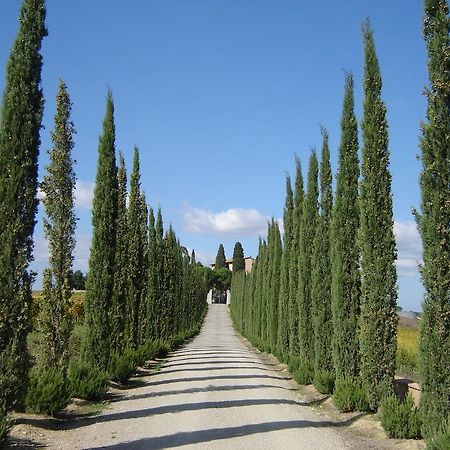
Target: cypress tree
[(142, 312), (321, 269), (151, 285), (238, 258), (158, 270), (220, 258), (378, 322), (58, 186), (274, 286), (294, 258), (119, 298), (308, 229), (135, 255), (20, 122), (283, 304), (96, 346), (346, 283), (434, 221)]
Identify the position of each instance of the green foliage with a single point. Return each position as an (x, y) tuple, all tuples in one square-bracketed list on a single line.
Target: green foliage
[(123, 365), (221, 279), (324, 381), (48, 392), (99, 288), (20, 123), (321, 269), (220, 258), (5, 424), (238, 258), (293, 260), (121, 280), (345, 253), (440, 440), (349, 395), (400, 420), (308, 231), (304, 373), (79, 280), (59, 226), (378, 319), (86, 382), (433, 222)]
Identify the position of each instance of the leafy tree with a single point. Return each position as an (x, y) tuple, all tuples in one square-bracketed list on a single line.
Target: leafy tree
[(20, 122), (378, 321), (58, 186), (294, 258), (345, 251), (434, 220), (308, 230), (121, 259), (78, 280), (238, 258), (220, 258), (96, 346), (321, 269), (283, 303)]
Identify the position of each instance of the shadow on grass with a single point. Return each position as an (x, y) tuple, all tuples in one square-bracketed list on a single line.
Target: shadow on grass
[(216, 434)]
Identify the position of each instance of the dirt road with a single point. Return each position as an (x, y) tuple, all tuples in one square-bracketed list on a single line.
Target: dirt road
[(214, 393)]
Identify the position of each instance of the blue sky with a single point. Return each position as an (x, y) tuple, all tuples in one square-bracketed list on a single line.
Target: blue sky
[(218, 95)]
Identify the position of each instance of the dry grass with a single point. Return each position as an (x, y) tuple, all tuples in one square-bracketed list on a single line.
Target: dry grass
[(407, 352)]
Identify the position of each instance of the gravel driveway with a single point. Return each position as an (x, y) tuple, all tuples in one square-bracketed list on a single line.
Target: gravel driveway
[(214, 393)]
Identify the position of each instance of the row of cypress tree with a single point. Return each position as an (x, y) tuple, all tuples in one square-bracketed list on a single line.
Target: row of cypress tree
[(143, 286), (333, 286)]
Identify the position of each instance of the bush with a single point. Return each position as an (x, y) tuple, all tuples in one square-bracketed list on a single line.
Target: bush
[(87, 382), (324, 381), (4, 423), (304, 373), (294, 363), (400, 420), (349, 395), (122, 366), (441, 440), (48, 392)]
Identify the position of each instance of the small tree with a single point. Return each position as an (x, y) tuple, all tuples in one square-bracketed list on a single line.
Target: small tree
[(96, 346), (59, 226), (238, 258), (434, 220), (220, 258), (78, 280), (378, 321)]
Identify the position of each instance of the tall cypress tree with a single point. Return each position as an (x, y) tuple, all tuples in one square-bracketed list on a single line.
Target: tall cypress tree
[(58, 186), (283, 302), (135, 256), (434, 220), (238, 258), (142, 311), (220, 258), (321, 269), (20, 122), (151, 288), (158, 272), (118, 307), (308, 229), (378, 322), (96, 347), (274, 287), (345, 251), (294, 258)]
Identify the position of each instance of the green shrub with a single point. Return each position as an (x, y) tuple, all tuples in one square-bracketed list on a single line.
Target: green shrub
[(441, 440), (400, 420), (123, 366), (87, 382), (324, 381), (48, 392), (4, 423), (349, 395), (304, 373), (294, 363)]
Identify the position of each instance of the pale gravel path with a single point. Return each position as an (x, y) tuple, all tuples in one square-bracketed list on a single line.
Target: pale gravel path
[(215, 393)]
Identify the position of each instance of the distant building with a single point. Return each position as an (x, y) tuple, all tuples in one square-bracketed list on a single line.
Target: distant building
[(229, 264)]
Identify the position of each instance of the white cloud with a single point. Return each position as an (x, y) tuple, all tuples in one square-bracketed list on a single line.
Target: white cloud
[(232, 222), (84, 193), (409, 247)]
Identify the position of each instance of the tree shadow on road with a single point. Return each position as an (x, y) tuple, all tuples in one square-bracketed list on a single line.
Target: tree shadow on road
[(215, 434)]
